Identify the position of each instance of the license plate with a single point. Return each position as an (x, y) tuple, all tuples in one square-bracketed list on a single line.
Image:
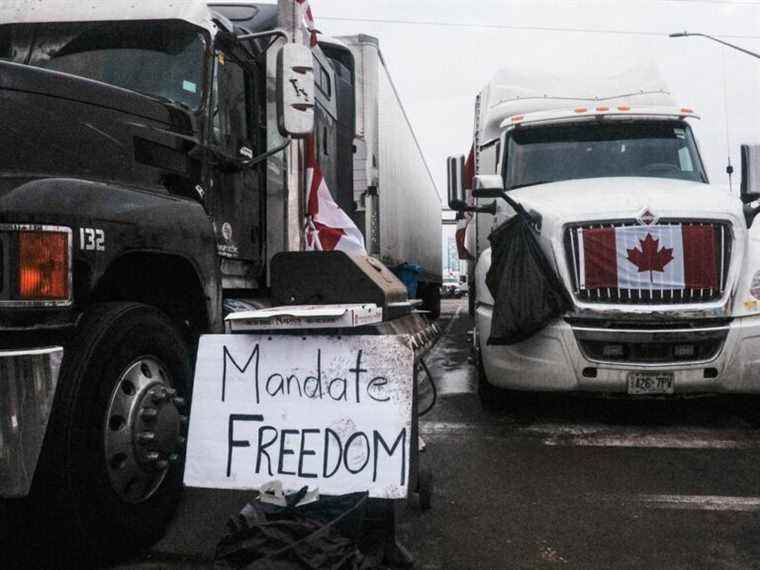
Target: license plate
[(650, 383)]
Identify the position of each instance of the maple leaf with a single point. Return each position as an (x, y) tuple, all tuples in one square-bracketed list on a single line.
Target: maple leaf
[(649, 258)]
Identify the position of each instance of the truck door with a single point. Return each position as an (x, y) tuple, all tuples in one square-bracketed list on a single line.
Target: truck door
[(235, 199), (325, 122)]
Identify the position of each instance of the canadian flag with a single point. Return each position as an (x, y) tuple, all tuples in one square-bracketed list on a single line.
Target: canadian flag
[(463, 224), (647, 257), (328, 227), (308, 19)]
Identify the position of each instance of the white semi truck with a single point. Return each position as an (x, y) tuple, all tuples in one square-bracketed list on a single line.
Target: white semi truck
[(662, 267)]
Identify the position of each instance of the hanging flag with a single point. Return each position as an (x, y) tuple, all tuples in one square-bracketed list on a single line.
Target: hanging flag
[(647, 257), (462, 225), (308, 20), (328, 227)]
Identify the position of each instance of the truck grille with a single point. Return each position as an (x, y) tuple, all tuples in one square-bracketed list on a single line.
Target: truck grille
[(663, 343), (702, 350), (654, 294)]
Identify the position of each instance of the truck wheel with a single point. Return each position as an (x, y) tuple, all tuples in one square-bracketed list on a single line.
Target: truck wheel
[(111, 463), (425, 488), (431, 299)]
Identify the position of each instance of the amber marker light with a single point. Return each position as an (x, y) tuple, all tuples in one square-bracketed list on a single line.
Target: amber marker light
[(602, 109), (43, 266), (581, 110), (517, 118), (624, 108)]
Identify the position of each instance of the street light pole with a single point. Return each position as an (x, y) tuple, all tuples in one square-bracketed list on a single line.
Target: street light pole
[(741, 49), (684, 34)]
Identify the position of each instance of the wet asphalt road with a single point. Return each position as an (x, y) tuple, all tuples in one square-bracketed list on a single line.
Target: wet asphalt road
[(555, 482)]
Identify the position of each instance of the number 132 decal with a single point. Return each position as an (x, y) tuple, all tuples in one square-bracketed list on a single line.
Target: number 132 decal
[(92, 239)]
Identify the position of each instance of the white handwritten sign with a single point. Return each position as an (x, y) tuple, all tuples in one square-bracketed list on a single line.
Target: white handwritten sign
[(324, 411)]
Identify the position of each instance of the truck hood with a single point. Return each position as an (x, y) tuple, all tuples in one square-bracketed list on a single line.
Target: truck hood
[(605, 199)]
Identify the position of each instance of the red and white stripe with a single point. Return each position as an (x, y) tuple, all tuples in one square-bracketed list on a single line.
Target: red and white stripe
[(328, 227), (463, 225), (647, 257), (308, 19)]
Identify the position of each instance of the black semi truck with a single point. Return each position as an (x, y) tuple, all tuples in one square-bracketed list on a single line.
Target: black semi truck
[(152, 177)]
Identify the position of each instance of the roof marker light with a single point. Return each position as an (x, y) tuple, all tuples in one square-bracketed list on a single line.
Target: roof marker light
[(602, 109), (581, 110), (517, 118), (687, 110), (624, 108)]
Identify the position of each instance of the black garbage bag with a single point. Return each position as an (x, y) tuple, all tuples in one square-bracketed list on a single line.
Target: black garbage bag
[(527, 292), (320, 535)]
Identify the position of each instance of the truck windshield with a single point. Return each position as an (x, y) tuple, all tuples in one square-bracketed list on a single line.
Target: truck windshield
[(162, 59), (663, 149)]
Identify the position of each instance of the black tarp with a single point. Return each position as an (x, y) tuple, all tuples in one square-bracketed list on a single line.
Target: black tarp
[(321, 535), (527, 292)]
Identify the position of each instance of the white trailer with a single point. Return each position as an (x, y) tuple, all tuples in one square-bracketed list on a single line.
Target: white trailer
[(399, 206)]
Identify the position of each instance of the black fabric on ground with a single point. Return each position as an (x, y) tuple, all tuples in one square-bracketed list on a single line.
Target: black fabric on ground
[(319, 535), (527, 292)]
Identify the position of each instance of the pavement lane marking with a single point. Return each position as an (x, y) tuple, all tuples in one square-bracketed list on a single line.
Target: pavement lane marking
[(678, 439), (445, 335), (452, 428), (453, 319), (686, 502), (600, 435), (449, 379)]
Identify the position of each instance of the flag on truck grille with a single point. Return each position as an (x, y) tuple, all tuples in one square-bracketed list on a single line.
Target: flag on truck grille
[(647, 257), (328, 227)]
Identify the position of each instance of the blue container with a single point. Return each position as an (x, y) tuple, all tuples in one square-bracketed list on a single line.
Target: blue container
[(407, 273)]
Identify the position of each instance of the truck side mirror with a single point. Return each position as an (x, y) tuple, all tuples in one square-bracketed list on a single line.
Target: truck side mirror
[(455, 172), (488, 186), (295, 91), (750, 187)]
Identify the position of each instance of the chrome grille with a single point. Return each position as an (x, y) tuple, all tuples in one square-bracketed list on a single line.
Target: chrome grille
[(646, 296)]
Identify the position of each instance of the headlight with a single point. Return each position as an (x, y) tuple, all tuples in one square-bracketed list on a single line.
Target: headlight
[(35, 265), (43, 266)]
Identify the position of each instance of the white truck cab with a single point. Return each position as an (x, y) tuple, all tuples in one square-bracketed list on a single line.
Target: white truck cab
[(663, 268)]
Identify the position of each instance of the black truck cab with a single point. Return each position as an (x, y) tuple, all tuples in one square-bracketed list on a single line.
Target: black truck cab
[(134, 185)]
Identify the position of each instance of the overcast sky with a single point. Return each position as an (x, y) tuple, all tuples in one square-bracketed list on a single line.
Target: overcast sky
[(439, 69)]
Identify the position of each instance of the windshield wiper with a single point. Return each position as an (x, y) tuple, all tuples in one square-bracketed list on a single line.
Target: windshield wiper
[(535, 183)]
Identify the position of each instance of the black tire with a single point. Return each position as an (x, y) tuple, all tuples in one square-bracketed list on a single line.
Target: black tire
[(471, 298), (425, 488), (72, 492), (431, 299)]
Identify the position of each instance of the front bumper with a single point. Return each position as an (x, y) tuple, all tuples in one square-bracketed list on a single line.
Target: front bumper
[(553, 360), (28, 380)]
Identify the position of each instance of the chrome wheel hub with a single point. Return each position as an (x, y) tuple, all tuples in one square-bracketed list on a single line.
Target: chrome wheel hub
[(144, 429)]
